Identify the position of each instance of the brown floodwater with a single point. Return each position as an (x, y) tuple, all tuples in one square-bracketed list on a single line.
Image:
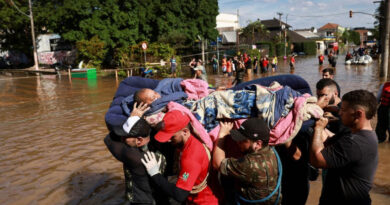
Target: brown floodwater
[(52, 130)]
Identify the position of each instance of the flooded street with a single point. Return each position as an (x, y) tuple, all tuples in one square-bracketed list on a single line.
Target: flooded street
[(52, 130)]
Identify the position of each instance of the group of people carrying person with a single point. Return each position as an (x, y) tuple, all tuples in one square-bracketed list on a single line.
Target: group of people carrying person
[(167, 162)]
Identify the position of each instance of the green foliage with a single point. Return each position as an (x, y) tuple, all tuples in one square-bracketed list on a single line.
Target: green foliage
[(254, 30), (267, 45), (122, 73), (119, 24), (159, 51), (279, 49), (253, 53), (122, 56), (310, 48), (380, 22), (15, 30), (351, 36), (91, 51), (127, 56), (174, 38), (354, 37)]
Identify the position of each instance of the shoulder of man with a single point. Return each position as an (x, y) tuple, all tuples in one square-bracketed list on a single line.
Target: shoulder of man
[(259, 160)]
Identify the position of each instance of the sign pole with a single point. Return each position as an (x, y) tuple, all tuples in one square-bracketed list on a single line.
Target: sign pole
[(217, 56), (144, 47), (145, 57)]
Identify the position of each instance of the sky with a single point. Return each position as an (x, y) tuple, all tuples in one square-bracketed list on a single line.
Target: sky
[(303, 13)]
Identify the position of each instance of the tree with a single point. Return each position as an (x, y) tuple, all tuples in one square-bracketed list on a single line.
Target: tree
[(123, 23), (15, 30), (380, 23), (117, 23), (350, 36), (354, 37), (190, 18), (254, 31)]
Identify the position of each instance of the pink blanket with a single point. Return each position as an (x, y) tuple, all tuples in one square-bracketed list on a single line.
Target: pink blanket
[(288, 127), (195, 88)]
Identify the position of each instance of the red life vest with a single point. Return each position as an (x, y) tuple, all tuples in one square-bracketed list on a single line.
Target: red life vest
[(385, 96)]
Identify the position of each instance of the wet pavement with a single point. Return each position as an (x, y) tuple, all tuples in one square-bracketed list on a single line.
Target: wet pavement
[(52, 130)]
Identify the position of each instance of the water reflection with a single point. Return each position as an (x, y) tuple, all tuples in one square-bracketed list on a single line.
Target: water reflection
[(51, 147)]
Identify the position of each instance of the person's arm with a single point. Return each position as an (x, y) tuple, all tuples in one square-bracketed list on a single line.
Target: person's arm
[(293, 150), (378, 95), (130, 156), (152, 167), (219, 153), (170, 189), (317, 145), (234, 81), (115, 147), (136, 114)]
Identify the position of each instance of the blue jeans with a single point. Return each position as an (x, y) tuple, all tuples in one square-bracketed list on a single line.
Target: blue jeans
[(215, 66)]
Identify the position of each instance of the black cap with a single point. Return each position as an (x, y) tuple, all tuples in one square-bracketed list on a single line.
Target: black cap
[(253, 129), (140, 129)]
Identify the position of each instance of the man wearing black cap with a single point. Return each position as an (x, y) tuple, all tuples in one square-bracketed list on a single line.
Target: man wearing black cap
[(256, 173), (129, 150)]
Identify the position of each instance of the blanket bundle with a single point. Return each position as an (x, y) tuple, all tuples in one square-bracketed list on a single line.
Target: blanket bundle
[(282, 107), (271, 103)]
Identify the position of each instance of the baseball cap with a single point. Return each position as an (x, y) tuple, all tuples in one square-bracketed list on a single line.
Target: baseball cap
[(173, 122), (253, 129)]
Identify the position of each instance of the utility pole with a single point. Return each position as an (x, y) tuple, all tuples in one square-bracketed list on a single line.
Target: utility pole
[(33, 36), (218, 55), (280, 23), (237, 34), (385, 42), (285, 39)]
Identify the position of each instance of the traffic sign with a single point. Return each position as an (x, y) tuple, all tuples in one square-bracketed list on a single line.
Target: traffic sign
[(144, 45)]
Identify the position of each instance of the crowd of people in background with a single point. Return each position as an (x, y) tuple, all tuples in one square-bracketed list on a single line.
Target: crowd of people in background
[(233, 66)]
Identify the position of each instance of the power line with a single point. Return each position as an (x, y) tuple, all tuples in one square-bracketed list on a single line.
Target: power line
[(314, 16)]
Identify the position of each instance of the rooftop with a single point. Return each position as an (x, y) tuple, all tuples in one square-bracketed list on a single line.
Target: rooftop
[(329, 26), (274, 23)]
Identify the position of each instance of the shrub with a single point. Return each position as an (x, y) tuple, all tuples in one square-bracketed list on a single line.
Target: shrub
[(133, 56), (310, 48), (122, 57), (91, 51), (253, 53), (267, 45), (280, 49)]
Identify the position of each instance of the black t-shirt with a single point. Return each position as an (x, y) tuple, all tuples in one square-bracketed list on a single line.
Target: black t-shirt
[(236, 64), (352, 161), (248, 64)]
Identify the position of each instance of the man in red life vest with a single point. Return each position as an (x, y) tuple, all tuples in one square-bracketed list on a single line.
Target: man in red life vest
[(321, 59), (292, 62), (192, 183), (383, 125)]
